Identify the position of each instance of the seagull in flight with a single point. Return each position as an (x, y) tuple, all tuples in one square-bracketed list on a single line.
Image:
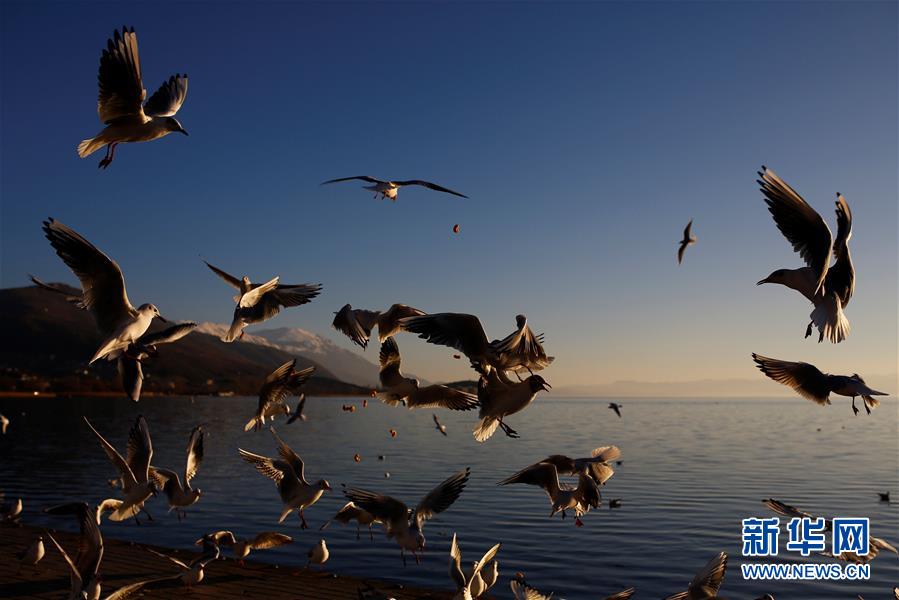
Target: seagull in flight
[(523, 591), (828, 287), (400, 390), (404, 524), (357, 323), (389, 189), (288, 473), (351, 512), (258, 302), (177, 488), (521, 350), (121, 104), (563, 497), (689, 240), (596, 466), (499, 400), (438, 425), (807, 381), (472, 585), (616, 407), (298, 413), (192, 573), (707, 582), (130, 364), (279, 385), (137, 484), (241, 548), (103, 291)]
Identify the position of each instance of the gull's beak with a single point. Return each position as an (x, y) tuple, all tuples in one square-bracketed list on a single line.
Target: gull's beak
[(546, 386), (184, 131), (761, 281)]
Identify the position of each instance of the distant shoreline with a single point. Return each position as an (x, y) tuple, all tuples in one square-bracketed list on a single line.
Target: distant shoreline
[(111, 394)]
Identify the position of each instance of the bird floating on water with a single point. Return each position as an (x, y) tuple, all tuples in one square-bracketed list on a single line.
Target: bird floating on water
[(807, 381), (389, 189), (828, 287), (121, 105)]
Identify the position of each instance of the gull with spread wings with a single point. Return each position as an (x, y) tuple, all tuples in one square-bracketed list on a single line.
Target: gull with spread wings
[(404, 524), (563, 497), (177, 488), (357, 323), (351, 512), (596, 466), (499, 399), (288, 473), (389, 189), (470, 584), (258, 302), (279, 385), (828, 287), (521, 350), (810, 383), (240, 547), (137, 484), (121, 105), (689, 239), (399, 390), (707, 582), (102, 291), (524, 591)]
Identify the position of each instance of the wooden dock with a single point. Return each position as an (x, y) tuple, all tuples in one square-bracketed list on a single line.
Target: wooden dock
[(125, 563)]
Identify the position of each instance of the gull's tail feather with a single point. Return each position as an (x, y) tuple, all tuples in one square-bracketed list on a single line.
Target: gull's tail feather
[(106, 350), (234, 331), (285, 513), (830, 320), (871, 401), (89, 146), (485, 428)]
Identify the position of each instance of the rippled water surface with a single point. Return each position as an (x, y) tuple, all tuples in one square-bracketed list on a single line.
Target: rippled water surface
[(692, 469)]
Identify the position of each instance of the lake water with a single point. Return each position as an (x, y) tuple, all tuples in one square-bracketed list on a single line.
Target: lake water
[(692, 469)]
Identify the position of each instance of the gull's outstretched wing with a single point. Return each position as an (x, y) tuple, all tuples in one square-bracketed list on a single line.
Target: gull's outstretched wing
[(798, 222), (388, 510), (622, 595), (544, 475), (442, 497), (456, 330), (389, 360), (194, 453), (226, 277), (167, 335), (356, 324), (389, 322), (118, 462), (178, 562), (429, 185), (291, 457), (805, 379), (441, 396), (367, 178), (841, 276), (140, 450), (90, 542), (166, 101), (269, 539), (102, 282), (121, 90), (455, 565), (273, 469), (523, 591)]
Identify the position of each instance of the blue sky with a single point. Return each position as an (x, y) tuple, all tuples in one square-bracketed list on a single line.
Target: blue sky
[(586, 136)]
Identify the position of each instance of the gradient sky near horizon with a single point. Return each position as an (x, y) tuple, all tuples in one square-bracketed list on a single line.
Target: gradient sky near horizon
[(585, 134)]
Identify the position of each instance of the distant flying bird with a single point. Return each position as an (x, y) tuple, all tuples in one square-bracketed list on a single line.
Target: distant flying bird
[(241, 548), (688, 240), (288, 473), (828, 287), (807, 381), (318, 554), (103, 291), (137, 484), (472, 584), (404, 524), (357, 323), (258, 302), (876, 545), (596, 466), (400, 390), (84, 567), (351, 512), (389, 189), (616, 407), (130, 363), (499, 400), (278, 386), (298, 413), (177, 488), (707, 582), (521, 350), (563, 497), (438, 425), (121, 104), (884, 496)]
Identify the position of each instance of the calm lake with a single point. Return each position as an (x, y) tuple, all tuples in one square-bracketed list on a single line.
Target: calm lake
[(692, 470)]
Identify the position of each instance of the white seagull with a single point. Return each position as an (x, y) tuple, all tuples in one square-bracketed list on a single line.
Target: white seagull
[(121, 106), (103, 291), (499, 400), (4, 423), (279, 385), (357, 323), (177, 488), (563, 497), (828, 287), (192, 573), (399, 390), (288, 473), (689, 240), (11, 511), (707, 582), (471, 584), (389, 189), (404, 524), (258, 302), (137, 484), (351, 512), (130, 364), (318, 554), (807, 381), (30, 556)]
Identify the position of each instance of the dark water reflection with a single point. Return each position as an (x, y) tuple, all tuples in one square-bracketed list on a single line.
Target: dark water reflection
[(692, 470)]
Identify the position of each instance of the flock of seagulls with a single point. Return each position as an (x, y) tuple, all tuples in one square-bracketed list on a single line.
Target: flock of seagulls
[(506, 369)]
